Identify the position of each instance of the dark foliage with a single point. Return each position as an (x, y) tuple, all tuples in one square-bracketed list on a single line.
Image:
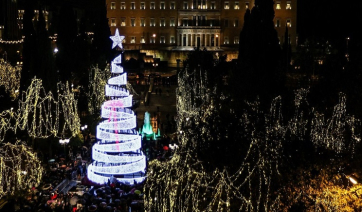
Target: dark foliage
[(259, 54)]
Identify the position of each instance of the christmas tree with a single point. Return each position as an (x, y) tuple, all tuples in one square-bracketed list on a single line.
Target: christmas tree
[(117, 153)]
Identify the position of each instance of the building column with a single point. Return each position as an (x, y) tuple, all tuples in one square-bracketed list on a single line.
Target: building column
[(187, 39), (191, 44), (219, 38), (178, 39), (201, 39), (182, 39), (205, 39)]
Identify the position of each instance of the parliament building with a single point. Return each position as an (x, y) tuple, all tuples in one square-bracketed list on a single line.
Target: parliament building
[(168, 29)]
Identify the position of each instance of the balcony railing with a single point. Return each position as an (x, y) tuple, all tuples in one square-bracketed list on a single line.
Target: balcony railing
[(199, 23)]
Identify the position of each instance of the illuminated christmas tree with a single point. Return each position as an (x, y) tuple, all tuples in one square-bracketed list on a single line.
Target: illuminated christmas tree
[(117, 153)]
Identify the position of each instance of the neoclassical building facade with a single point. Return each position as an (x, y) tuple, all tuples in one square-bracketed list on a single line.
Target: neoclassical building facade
[(168, 29)]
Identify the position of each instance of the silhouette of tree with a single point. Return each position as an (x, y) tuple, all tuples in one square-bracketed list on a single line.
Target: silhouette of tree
[(286, 52), (101, 46), (28, 45), (67, 34), (259, 53), (44, 67), (38, 58), (83, 63)]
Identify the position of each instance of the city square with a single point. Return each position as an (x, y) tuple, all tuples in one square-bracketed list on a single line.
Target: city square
[(195, 105)]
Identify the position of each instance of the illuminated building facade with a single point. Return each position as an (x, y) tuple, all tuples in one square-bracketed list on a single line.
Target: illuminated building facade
[(167, 29)]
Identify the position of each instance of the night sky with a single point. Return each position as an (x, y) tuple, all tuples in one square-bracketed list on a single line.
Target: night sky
[(329, 19)]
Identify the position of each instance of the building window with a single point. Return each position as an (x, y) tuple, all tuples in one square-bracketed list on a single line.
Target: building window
[(172, 5), (162, 39), (113, 22), (246, 5), (133, 5), (277, 22), (123, 5), (152, 22), (185, 7), (289, 5), (212, 22), (113, 5), (289, 23), (152, 5), (277, 6), (236, 6), (153, 39), (142, 22), (123, 21), (133, 39), (142, 6), (226, 23), (226, 5), (162, 22), (133, 22), (143, 40), (172, 39), (172, 22), (185, 22), (213, 5), (162, 5), (21, 14), (236, 23), (226, 40), (236, 40)]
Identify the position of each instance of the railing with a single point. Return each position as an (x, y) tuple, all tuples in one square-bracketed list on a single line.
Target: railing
[(200, 23)]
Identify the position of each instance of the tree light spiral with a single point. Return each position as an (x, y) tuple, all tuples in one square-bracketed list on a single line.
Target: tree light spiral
[(117, 153)]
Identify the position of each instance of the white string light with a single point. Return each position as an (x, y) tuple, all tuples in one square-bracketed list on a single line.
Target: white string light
[(96, 94), (186, 183), (12, 41), (128, 146), (113, 91), (40, 114), (106, 158), (118, 168), (20, 169), (127, 179), (118, 59), (119, 80), (116, 69), (118, 124), (10, 78)]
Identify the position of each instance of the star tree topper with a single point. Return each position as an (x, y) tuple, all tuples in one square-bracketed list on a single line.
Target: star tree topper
[(117, 40)]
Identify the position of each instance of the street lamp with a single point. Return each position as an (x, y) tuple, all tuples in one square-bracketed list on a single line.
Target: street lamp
[(84, 127), (353, 180), (154, 38), (64, 142)]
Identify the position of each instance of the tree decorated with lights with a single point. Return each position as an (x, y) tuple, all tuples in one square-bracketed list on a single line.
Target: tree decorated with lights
[(10, 78), (117, 153), (97, 81), (42, 114), (20, 169), (252, 159)]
